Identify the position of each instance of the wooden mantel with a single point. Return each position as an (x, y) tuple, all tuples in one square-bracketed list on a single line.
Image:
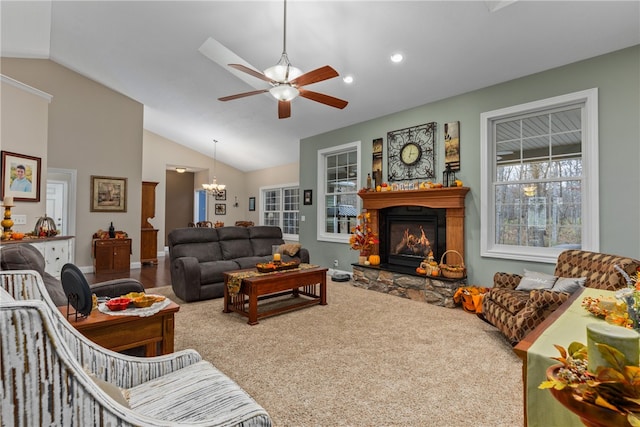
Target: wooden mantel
[(451, 199)]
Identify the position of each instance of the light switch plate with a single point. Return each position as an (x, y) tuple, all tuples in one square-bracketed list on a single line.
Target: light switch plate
[(19, 219)]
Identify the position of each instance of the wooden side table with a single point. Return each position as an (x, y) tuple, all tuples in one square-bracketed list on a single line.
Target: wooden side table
[(111, 255), (154, 333)]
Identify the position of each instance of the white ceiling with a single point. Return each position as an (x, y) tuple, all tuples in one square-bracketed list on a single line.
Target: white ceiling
[(148, 50)]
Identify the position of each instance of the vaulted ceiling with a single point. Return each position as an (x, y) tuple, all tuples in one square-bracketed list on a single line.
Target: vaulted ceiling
[(149, 51)]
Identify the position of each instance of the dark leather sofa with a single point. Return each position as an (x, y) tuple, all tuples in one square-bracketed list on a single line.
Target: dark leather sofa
[(200, 256), (27, 257)]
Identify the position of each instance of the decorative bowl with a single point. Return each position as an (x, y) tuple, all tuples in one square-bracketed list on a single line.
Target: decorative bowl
[(144, 301), (117, 304), (133, 295)]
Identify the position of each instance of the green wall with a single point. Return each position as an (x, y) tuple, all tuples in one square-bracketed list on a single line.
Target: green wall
[(617, 77)]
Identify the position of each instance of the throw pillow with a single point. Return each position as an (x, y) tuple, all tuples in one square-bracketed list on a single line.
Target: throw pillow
[(114, 392), (535, 280), (569, 284), (290, 248)]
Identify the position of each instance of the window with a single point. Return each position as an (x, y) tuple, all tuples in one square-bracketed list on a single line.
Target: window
[(338, 201), (540, 178), (280, 207)]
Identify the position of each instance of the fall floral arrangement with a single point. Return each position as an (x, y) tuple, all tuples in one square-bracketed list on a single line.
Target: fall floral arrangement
[(625, 309), (362, 236), (616, 387)]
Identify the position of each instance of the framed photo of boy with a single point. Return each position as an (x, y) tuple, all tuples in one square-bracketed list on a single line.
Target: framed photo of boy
[(108, 194), (21, 177)]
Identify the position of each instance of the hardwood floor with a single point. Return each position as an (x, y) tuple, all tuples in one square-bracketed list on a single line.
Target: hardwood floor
[(151, 276)]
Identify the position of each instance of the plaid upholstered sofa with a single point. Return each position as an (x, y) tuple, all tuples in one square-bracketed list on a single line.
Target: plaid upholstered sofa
[(53, 375), (517, 312)]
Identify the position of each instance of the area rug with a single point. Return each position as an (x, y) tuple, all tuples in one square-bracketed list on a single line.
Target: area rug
[(365, 359)]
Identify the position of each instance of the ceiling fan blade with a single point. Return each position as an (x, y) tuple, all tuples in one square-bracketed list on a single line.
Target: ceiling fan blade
[(221, 55), (315, 76), (284, 109), (254, 73), (323, 99), (242, 95)]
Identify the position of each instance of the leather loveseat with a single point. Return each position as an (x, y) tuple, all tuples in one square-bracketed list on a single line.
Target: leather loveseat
[(517, 312), (200, 256)]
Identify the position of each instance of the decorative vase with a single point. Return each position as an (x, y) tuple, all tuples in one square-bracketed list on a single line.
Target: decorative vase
[(591, 415), (364, 257)]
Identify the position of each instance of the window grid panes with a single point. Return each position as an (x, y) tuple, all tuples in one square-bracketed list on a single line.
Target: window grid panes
[(341, 196), (538, 179), (281, 208)]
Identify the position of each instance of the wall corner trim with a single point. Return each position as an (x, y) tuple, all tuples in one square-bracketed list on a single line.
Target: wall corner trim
[(26, 88)]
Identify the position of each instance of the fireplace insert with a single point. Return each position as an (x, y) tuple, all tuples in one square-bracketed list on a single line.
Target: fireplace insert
[(409, 233)]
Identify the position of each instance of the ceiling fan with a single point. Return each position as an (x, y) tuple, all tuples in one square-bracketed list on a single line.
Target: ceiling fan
[(287, 81)]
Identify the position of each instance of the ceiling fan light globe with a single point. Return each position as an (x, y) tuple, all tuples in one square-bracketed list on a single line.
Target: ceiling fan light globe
[(284, 92), (278, 72)]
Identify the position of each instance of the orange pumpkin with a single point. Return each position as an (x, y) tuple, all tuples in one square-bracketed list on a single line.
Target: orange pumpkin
[(374, 259), (421, 270)]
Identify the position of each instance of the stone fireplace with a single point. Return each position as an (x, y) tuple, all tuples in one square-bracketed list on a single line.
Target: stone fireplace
[(436, 213)]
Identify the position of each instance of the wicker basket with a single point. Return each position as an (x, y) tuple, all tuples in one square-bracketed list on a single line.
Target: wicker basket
[(452, 271)]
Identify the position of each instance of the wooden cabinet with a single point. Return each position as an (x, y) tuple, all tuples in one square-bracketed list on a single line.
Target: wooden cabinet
[(111, 255), (148, 234)]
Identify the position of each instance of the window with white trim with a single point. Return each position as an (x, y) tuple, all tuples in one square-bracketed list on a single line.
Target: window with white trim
[(281, 207), (540, 178), (338, 182)]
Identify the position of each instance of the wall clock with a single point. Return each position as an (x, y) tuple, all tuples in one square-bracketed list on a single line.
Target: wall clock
[(411, 153)]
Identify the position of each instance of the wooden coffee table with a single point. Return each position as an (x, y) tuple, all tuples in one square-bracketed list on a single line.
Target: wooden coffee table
[(307, 286), (120, 333)]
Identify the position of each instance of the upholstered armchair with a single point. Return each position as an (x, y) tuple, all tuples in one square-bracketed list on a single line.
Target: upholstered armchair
[(58, 377), (517, 312), (27, 257)]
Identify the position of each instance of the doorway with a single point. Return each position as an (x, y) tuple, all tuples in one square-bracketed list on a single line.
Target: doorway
[(61, 199)]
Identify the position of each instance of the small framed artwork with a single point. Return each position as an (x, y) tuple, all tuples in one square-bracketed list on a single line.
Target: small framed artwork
[(452, 145), (252, 203), (108, 194), (21, 177), (308, 197), (221, 209), (221, 195)]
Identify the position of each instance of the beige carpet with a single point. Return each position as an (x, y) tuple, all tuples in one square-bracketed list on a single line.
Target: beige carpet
[(365, 359)]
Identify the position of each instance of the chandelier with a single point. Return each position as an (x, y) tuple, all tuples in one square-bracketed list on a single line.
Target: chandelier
[(214, 188)]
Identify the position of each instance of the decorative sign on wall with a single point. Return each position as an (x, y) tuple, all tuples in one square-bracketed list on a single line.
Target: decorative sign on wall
[(452, 145), (411, 153), (376, 166)]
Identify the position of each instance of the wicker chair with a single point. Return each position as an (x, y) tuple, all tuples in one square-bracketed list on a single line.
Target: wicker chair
[(516, 313), (47, 361)]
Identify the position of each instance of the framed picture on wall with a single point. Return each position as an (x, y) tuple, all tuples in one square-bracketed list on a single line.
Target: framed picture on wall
[(221, 195), (21, 177), (221, 209), (308, 197), (108, 194), (252, 203)]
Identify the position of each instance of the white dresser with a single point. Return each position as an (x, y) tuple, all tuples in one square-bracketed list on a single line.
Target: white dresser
[(57, 251)]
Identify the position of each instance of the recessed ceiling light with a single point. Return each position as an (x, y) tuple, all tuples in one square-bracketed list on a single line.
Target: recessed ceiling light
[(348, 79), (396, 57)]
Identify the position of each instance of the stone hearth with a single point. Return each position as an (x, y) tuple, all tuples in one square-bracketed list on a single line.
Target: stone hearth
[(433, 290)]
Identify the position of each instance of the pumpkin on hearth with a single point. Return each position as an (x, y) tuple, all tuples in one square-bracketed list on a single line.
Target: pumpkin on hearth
[(374, 259)]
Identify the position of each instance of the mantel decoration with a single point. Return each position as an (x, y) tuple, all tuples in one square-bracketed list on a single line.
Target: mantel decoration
[(363, 238), (411, 153), (20, 177), (215, 189), (452, 145), (108, 194)]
